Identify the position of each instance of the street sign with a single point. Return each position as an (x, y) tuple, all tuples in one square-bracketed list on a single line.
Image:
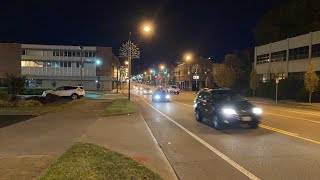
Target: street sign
[(196, 77)]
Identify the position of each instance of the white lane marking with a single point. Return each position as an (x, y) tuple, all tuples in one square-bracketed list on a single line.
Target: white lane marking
[(318, 122), (214, 150)]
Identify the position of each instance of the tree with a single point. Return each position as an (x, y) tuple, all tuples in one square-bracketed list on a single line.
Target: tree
[(311, 80), (224, 76), (254, 82), (124, 50), (278, 23), (16, 84)]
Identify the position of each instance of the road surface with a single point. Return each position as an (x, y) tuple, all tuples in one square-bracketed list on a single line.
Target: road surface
[(285, 146)]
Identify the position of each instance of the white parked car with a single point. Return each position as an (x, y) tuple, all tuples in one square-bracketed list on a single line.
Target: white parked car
[(173, 89), (75, 92)]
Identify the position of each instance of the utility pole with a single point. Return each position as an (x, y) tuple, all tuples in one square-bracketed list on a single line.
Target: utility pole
[(117, 80)]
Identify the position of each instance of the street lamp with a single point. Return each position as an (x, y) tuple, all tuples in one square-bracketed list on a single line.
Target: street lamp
[(146, 30), (126, 62), (98, 64), (162, 67)]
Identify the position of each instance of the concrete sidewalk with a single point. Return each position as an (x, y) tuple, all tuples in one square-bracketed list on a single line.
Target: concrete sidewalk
[(130, 135), (27, 148)]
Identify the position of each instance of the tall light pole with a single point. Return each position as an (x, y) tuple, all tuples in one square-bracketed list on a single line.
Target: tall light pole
[(81, 64), (129, 65), (188, 58), (98, 64)]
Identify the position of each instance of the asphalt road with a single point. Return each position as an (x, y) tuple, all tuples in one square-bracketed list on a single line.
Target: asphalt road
[(285, 146)]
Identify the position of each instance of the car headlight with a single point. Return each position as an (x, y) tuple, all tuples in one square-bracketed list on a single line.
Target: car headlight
[(150, 91), (167, 97), (157, 97), (145, 91), (229, 111), (257, 111)]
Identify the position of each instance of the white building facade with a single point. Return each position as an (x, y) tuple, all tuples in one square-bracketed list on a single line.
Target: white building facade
[(55, 65), (288, 57)]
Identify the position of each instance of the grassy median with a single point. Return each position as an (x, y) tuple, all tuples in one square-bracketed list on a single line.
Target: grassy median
[(88, 161), (120, 107)]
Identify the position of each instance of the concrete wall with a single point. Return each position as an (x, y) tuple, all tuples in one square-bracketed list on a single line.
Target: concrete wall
[(10, 56)]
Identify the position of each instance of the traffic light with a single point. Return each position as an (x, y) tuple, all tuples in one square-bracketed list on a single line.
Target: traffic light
[(165, 72)]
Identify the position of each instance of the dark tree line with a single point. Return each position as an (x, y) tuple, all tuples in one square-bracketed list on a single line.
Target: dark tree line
[(291, 19)]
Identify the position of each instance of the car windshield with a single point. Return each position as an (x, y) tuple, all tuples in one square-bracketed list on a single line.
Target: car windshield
[(221, 95), (147, 89), (174, 87)]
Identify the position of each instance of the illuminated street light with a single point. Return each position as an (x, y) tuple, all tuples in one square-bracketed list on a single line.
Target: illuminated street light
[(147, 28), (145, 72), (98, 62), (162, 67), (188, 57), (126, 62), (151, 71)]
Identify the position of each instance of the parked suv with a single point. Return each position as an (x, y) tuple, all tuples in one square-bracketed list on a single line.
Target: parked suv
[(173, 89), (224, 106), (74, 92)]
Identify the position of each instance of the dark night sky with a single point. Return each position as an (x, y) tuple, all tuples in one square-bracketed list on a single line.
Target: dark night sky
[(207, 28)]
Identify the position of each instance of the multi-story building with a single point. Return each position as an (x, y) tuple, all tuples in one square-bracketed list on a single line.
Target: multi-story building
[(288, 57), (185, 72), (54, 65)]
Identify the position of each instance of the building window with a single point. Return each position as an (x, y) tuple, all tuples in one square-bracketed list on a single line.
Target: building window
[(24, 52), (279, 56), (77, 64), (315, 50), (299, 53), (77, 54), (93, 54), (86, 54), (69, 54), (73, 54), (264, 58)]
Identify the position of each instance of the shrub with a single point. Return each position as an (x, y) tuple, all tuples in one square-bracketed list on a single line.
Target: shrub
[(28, 103), (16, 84), (44, 100), (4, 104), (4, 96), (303, 96), (33, 91)]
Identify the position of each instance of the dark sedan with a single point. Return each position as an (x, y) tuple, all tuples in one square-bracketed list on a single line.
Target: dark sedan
[(224, 106), (160, 96)]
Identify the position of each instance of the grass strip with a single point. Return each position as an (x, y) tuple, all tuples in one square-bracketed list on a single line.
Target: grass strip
[(88, 161)]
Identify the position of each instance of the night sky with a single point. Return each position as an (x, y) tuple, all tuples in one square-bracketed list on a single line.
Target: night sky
[(207, 28)]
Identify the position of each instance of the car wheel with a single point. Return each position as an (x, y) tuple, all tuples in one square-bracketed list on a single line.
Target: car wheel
[(217, 124), (198, 116), (177, 92), (74, 96), (254, 124)]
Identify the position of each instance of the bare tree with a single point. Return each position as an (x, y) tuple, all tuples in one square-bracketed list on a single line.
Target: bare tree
[(311, 80), (124, 50), (224, 76)]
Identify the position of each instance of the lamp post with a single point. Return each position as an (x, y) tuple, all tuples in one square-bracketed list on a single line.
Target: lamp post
[(188, 58), (98, 64), (147, 30)]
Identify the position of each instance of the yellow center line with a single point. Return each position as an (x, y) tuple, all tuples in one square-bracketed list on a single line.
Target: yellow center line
[(303, 119), (276, 129)]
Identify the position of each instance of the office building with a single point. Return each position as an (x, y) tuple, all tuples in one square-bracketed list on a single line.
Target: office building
[(288, 57), (55, 65)]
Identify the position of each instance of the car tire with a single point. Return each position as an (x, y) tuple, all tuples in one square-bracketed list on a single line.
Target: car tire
[(198, 116), (74, 96), (254, 124), (178, 93), (217, 124)]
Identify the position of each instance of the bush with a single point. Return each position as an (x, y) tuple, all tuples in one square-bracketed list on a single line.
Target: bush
[(303, 96), (4, 104), (44, 100), (4, 96), (28, 103), (33, 91)]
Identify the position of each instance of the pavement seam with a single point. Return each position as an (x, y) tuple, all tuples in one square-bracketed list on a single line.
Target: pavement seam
[(214, 150)]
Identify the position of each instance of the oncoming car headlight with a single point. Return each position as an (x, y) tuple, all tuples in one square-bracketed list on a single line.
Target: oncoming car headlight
[(228, 111), (167, 97), (257, 111), (157, 97), (145, 91)]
